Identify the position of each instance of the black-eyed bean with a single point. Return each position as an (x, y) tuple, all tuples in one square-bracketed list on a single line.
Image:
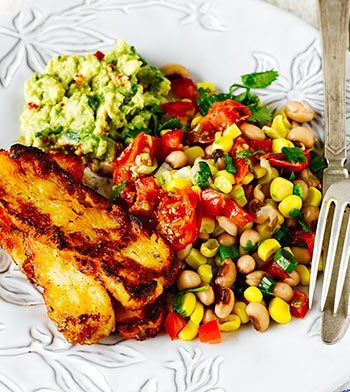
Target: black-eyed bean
[(258, 315)]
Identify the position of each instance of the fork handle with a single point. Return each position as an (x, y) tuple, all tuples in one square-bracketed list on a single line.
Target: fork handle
[(334, 22)]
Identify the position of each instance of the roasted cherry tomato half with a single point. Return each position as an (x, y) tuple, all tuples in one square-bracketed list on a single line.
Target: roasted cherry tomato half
[(178, 218)]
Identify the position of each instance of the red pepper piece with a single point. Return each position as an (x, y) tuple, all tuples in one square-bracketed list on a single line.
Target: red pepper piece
[(210, 332), (279, 160), (276, 271), (99, 55), (299, 305), (309, 239), (173, 324)]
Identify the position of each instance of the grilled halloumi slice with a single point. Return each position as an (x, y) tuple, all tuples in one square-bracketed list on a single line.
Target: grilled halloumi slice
[(45, 202), (77, 303)]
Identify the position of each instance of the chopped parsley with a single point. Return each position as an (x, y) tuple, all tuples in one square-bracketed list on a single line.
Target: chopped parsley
[(259, 79), (202, 175), (117, 191), (250, 247), (230, 166), (173, 123), (298, 190), (260, 114), (293, 154), (317, 164)]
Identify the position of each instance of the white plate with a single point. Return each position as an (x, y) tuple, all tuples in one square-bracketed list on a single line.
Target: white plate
[(218, 41)]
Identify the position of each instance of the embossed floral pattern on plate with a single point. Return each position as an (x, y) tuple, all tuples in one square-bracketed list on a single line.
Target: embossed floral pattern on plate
[(43, 29)]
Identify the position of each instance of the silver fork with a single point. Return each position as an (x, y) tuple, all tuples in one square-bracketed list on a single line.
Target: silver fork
[(333, 229)]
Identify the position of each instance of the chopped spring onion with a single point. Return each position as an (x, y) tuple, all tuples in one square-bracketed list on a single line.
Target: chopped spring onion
[(285, 260)]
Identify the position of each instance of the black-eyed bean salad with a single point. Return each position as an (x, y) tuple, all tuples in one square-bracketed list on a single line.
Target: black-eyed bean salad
[(236, 191)]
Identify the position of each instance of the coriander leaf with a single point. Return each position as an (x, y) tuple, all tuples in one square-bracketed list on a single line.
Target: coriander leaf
[(206, 100), (250, 247), (230, 166), (298, 190), (117, 191), (259, 79), (202, 175), (292, 176), (294, 154), (173, 123), (317, 164), (260, 115), (177, 305), (247, 153)]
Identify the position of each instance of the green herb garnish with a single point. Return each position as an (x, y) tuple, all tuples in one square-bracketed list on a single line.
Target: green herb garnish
[(228, 253), (259, 79), (294, 154), (266, 285), (197, 289), (230, 166), (317, 164), (285, 260), (117, 189), (282, 234), (300, 219), (250, 247), (260, 114), (202, 175), (173, 123), (298, 191)]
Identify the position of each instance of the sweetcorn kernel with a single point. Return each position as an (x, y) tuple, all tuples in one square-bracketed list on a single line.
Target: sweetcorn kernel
[(279, 311), (289, 204), (280, 188), (279, 143), (233, 131), (267, 248), (240, 309), (253, 294), (314, 197)]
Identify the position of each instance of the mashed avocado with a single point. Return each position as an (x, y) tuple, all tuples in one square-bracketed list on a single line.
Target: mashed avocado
[(88, 103)]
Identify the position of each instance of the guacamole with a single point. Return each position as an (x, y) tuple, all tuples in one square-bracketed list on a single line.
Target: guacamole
[(87, 104)]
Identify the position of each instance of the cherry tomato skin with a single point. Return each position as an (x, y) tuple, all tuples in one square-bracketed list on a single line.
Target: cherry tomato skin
[(171, 141), (236, 213), (299, 305), (182, 110), (223, 114), (264, 145), (242, 169), (178, 218), (122, 165), (148, 195), (213, 202), (184, 88)]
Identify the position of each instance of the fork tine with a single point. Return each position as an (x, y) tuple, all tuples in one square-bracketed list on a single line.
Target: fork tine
[(344, 262), (321, 227), (333, 242)]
